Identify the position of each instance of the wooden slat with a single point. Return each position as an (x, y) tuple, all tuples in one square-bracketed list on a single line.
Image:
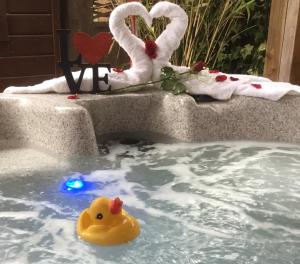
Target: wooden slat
[(56, 24), (3, 7), (3, 29), (275, 39), (29, 46), (29, 24), (295, 76), (281, 39), (26, 66), (3, 22), (288, 45), (23, 81), (29, 6), (4, 48)]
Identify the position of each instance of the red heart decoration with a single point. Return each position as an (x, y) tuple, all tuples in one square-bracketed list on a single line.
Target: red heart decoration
[(92, 49)]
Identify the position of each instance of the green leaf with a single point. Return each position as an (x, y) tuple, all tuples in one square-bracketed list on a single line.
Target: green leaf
[(262, 47), (167, 72), (179, 88), (246, 51), (168, 84)]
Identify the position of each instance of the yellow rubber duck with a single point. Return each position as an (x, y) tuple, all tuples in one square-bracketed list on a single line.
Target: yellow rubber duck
[(105, 223)]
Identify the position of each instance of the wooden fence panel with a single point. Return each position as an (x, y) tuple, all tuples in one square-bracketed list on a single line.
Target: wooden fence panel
[(26, 66), (29, 24), (281, 45), (29, 6), (3, 22), (24, 80), (28, 41), (31, 45), (295, 76)]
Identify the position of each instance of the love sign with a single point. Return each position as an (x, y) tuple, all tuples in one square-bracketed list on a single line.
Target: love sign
[(92, 50)]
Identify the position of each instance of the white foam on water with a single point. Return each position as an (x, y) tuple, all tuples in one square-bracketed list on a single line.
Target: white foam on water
[(19, 215)]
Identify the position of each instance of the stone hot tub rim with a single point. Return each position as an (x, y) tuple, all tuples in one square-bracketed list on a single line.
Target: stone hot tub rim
[(75, 127)]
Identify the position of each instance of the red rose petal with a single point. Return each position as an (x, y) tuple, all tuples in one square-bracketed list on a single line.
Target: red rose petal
[(213, 71), (118, 70), (234, 79), (73, 97), (221, 78), (256, 85)]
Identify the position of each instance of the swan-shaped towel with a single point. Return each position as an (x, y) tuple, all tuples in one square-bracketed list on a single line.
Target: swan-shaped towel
[(141, 65), (218, 85)]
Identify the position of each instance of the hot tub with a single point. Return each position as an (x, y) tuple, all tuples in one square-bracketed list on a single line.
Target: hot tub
[(204, 180)]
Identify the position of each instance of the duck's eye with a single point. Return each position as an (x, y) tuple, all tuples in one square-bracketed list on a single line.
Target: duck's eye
[(99, 216)]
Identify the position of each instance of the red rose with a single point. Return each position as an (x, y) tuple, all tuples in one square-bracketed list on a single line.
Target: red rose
[(198, 66), (221, 78), (118, 70), (256, 85), (234, 79), (151, 49)]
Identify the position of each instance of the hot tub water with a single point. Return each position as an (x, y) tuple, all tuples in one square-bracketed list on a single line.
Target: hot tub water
[(222, 202)]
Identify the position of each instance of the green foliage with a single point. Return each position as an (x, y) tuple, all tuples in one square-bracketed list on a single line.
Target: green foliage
[(170, 81), (245, 52), (229, 35)]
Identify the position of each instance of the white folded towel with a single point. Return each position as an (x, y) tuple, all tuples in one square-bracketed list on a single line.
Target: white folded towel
[(248, 85)]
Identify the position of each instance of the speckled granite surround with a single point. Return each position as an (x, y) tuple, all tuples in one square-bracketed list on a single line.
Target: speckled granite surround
[(49, 122), (63, 126)]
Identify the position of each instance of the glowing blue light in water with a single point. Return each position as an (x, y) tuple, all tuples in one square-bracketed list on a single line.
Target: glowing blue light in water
[(74, 184), (79, 184)]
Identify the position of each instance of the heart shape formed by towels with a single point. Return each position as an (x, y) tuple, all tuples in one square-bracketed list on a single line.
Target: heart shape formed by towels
[(168, 41), (92, 49)]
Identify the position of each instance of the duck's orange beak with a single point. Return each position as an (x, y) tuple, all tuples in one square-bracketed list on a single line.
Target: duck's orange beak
[(116, 206)]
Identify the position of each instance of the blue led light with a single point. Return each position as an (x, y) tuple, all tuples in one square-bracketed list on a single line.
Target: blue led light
[(74, 184)]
